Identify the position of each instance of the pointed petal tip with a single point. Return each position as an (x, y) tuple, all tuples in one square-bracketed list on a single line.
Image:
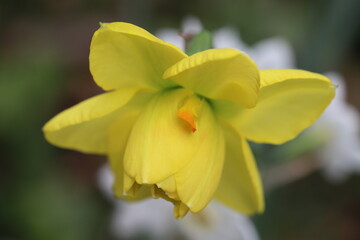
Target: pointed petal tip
[(180, 210)]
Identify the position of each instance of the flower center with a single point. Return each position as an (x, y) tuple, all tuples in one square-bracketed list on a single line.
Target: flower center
[(189, 110)]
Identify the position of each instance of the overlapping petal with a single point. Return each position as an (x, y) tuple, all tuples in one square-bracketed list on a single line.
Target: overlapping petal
[(123, 55), (240, 186), (218, 74), (84, 126), (199, 179), (185, 164), (159, 144), (167, 143), (118, 134), (289, 101)]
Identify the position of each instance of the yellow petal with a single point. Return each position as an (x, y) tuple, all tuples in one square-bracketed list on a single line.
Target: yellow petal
[(161, 145), (124, 55), (160, 142), (197, 181), (180, 209), (84, 126), (118, 134), (218, 74), (240, 187), (272, 76), (289, 101), (169, 186)]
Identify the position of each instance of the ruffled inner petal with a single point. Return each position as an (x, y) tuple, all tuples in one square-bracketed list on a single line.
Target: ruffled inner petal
[(218, 74), (182, 166), (160, 142)]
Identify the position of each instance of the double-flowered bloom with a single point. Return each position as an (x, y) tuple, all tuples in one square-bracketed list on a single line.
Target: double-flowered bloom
[(175, 126)]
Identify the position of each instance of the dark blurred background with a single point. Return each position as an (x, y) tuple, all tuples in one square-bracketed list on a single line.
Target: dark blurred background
[(51, 194)]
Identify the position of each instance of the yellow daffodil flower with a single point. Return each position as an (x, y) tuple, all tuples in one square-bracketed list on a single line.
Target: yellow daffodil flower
[(176, 126)]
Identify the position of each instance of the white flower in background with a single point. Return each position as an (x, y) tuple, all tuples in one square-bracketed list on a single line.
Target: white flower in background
[(155, 218), (218, 222), (271, 53), (340, 124), (190, 26)]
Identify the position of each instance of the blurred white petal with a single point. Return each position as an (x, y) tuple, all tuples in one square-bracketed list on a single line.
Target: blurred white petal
[(341, 125), (105, 179), (218, 222), (273, 53), (171, 35), (152, 216), (191, 25), (228, 37)]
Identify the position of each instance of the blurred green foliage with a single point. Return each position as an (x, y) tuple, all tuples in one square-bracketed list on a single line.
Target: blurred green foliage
[(200, 42), (38, 198)]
